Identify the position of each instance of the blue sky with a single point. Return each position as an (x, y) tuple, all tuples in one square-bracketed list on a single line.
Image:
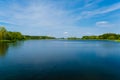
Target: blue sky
[(61, 18)]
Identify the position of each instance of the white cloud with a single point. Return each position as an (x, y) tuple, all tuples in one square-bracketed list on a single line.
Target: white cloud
[(65, 33), (104, 24)]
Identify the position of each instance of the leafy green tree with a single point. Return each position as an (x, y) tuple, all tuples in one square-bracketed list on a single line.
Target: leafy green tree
[(14, 36), (85, 37), (3, 32), (109, 36), (73, 38)]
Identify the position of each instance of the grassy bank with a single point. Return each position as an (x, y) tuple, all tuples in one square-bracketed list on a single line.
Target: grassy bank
[(117, 40), (8, 41)]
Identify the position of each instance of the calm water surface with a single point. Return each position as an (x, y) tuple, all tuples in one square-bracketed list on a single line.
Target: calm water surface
[(60, 60)]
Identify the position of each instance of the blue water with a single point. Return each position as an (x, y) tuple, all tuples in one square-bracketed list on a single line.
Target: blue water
[(60, 60)]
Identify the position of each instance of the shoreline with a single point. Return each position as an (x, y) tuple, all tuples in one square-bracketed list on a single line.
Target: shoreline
[(7, 41), (117, 40), (11, 41)]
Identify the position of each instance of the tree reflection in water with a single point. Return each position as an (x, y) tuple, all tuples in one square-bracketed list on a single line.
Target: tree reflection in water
[(3, 49)]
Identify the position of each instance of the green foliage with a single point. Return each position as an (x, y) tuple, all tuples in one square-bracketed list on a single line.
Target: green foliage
[(73, 38), (3, 32), (117, 40), (7, 35), (110, 36), (14, 36), (38, 37), (90, 37), (106, 36)]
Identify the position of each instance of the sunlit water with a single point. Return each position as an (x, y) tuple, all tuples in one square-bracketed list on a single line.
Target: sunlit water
[(60, 60)]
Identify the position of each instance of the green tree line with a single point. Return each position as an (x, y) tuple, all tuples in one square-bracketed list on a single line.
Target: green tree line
[(14, 36), (8, 35), (73, 38), (38, 37), (106, 36)]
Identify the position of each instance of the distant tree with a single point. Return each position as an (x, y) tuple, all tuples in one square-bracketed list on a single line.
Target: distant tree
[(73, 38), (14, 36), (85, 37), (90, 37), (8, 35), (38, 37), (110, 36), (3, 32)]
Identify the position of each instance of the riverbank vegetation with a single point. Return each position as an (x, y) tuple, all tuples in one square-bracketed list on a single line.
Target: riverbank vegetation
[(38, 37), (117, 40), (8, 36), (73, 38), (106, 36)]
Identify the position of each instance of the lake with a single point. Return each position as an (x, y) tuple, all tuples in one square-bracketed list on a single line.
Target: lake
[(60, 60)]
